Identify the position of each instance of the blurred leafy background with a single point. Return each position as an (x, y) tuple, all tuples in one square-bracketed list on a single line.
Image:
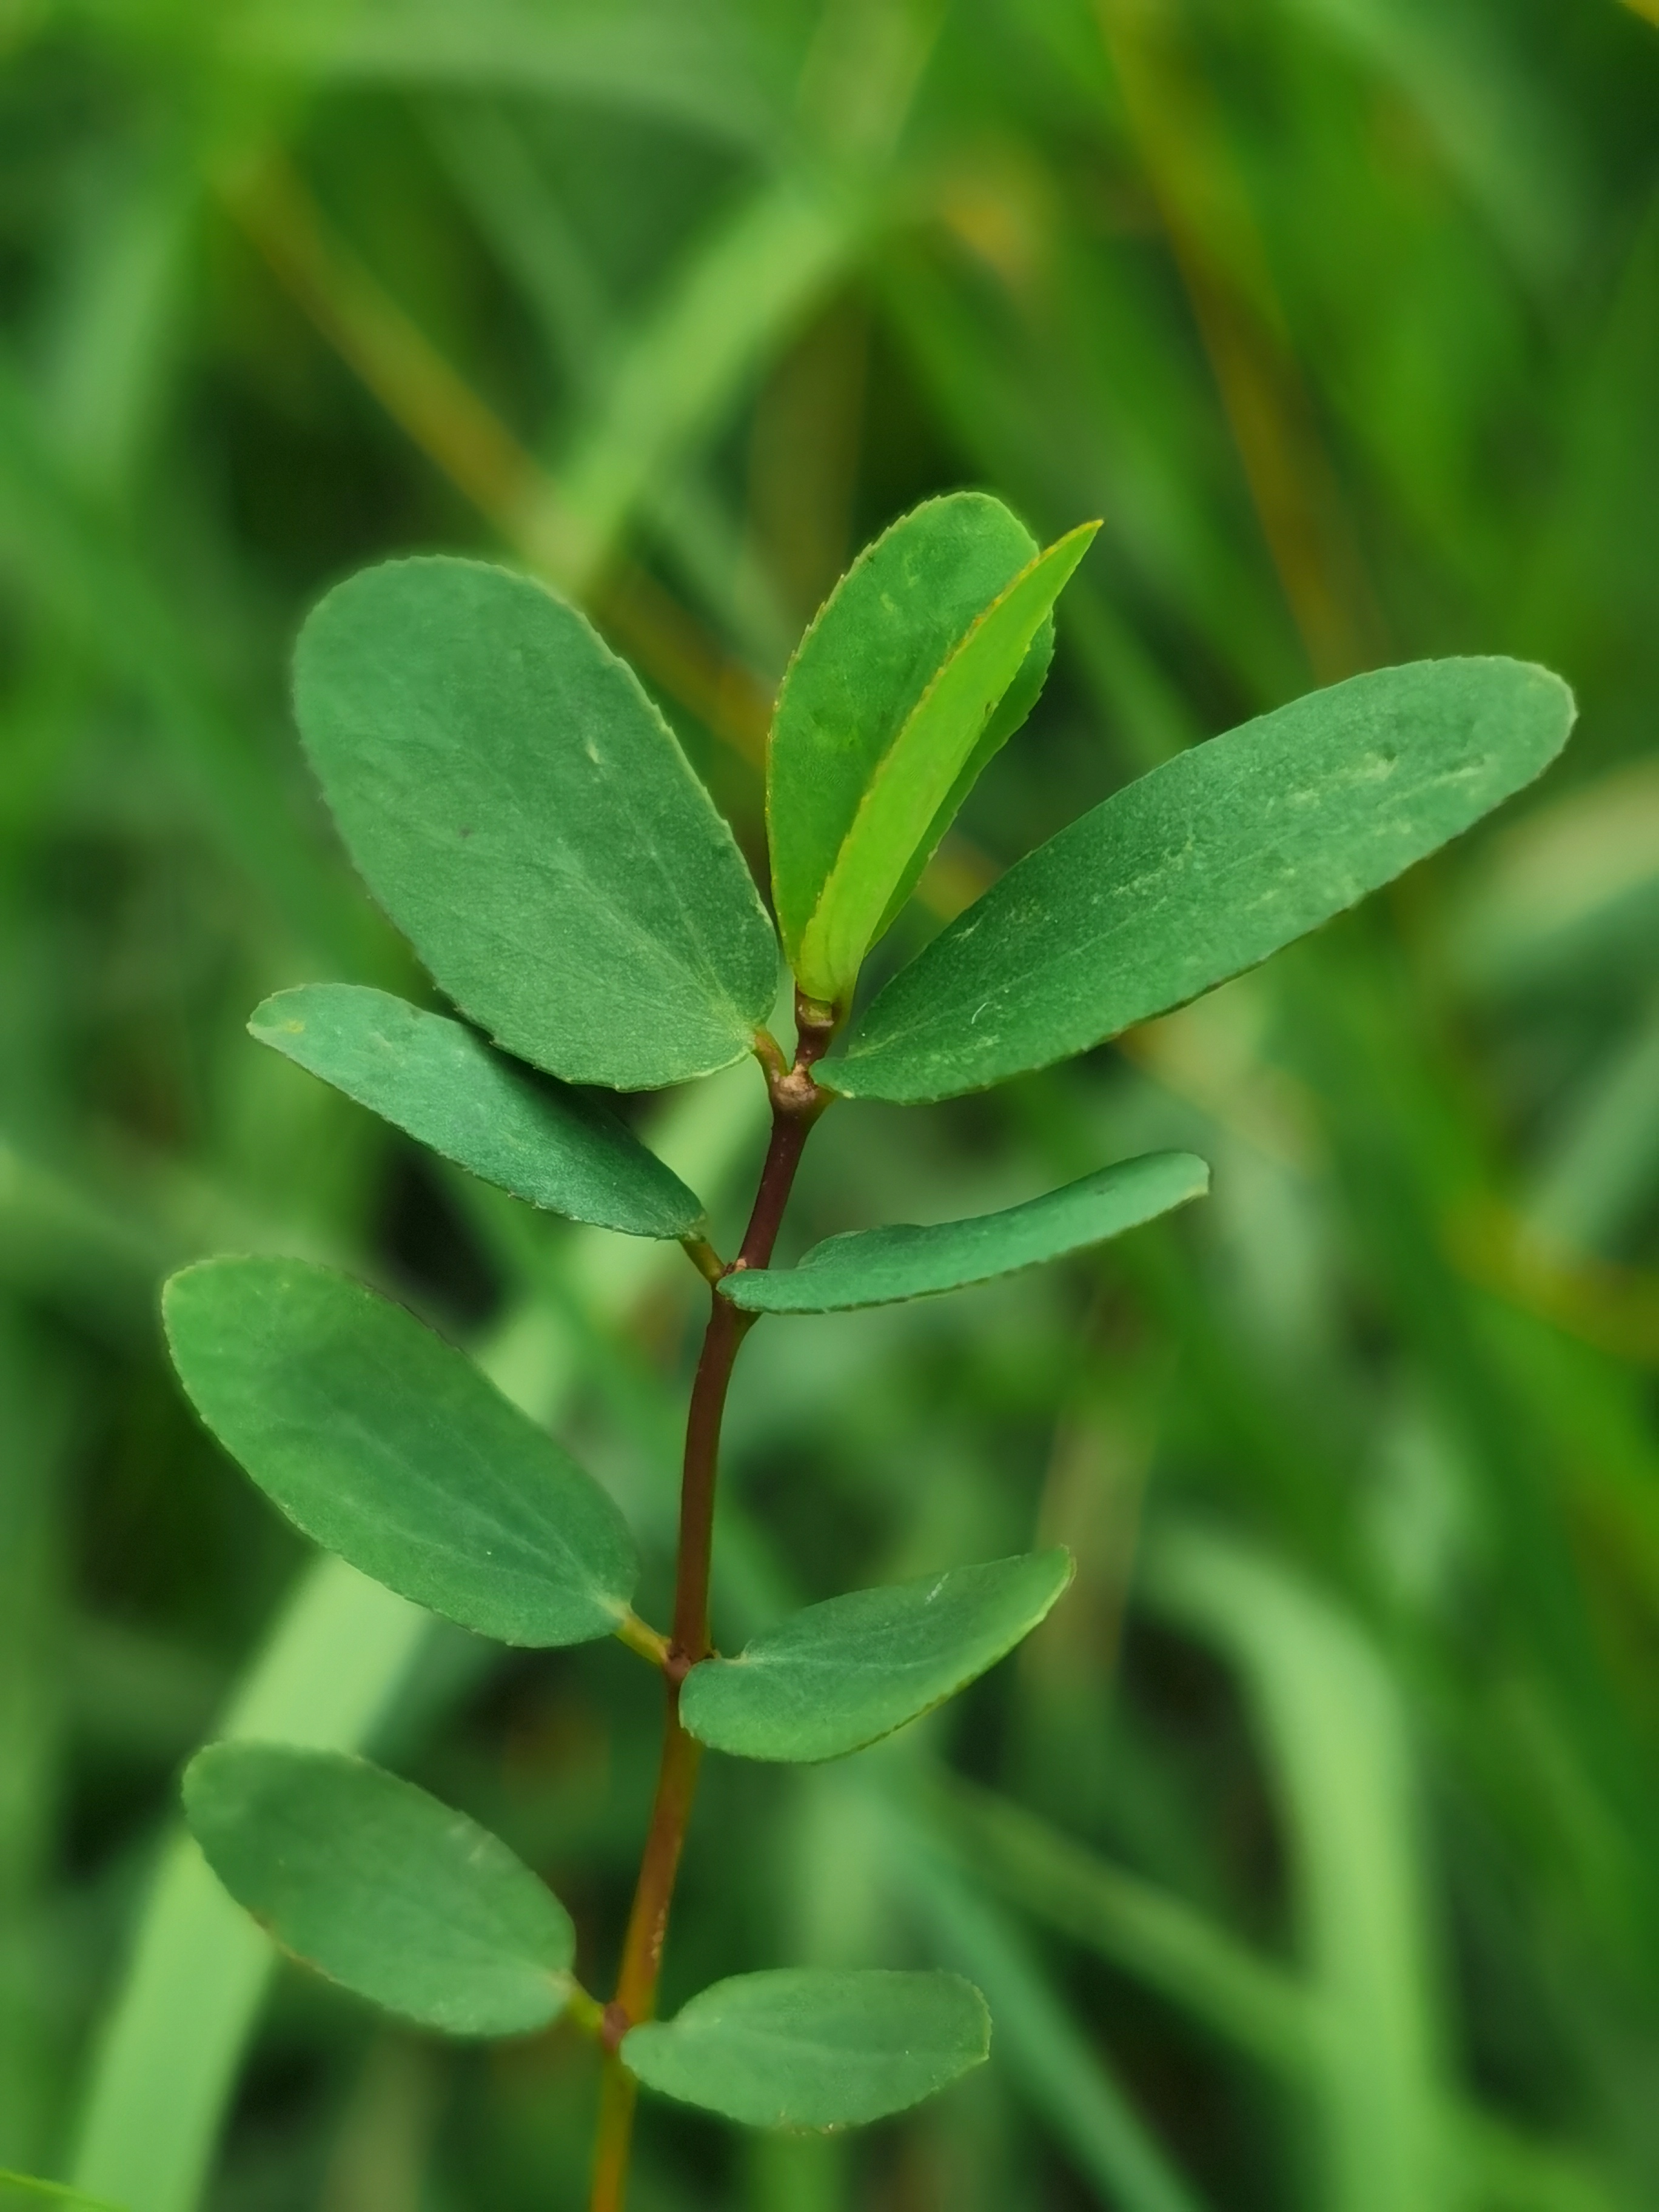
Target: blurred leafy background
[(1310, 1857)]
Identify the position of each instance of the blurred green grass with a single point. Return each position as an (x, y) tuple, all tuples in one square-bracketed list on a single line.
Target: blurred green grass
[(1308, 1855)]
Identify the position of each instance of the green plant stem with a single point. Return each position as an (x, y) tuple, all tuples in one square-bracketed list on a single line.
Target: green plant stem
[(797, 1101)]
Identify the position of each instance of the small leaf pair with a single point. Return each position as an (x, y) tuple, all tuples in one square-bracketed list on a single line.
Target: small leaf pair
[(930, 653), (392, 1896), (388, 1446), (554, 1146)]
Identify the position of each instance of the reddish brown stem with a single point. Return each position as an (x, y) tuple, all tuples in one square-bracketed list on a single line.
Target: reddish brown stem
[(797, 1101)]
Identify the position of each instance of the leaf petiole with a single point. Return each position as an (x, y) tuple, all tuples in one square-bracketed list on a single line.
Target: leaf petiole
[(639, 1636), (585, 2013), (704, 1258)]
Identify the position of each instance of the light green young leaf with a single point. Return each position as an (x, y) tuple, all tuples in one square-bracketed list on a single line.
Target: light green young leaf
[(526, 817), (803, 2048), (387, 1445), (381, 1888), (905, 801), (879, 1266), (841, 1675), (1010, 715), (440, 1082), (862, 668), (1203, 868)]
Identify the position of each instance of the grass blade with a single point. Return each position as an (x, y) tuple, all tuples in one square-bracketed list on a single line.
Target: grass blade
[(1335, 1738)]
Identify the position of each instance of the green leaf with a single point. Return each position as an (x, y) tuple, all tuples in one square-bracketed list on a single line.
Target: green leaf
[(526, 817), (1010, 715), (879, 1266), (441, 1083), (381, 1888), (905, 800), (804, 2048), (841, 1675), (178, 2020), (1203, 868), (862, 668), (387, 1445)]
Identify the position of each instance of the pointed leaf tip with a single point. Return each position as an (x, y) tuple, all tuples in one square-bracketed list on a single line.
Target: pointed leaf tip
[(381, 1888), (384, 1443), (798, 2048), (844, 1673)]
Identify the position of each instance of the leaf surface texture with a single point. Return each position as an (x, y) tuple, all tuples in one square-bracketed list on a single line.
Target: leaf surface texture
[(879, 1266), (804, 2048), (845, 1672), (381, 1888), (438, 1081), (527, 818), (1203, 868), (387, 1445)]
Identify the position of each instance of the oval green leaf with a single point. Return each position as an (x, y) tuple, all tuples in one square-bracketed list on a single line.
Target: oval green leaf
[(863, 668), (903, 804), (842, 1674), (879, 1266), (1203, 868), (524, 814), (387, 1445), (381, 1888), (439, 1081), (800, 2048)]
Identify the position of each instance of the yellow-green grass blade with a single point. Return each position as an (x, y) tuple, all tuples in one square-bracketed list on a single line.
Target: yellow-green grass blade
[(1336, 1740)]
